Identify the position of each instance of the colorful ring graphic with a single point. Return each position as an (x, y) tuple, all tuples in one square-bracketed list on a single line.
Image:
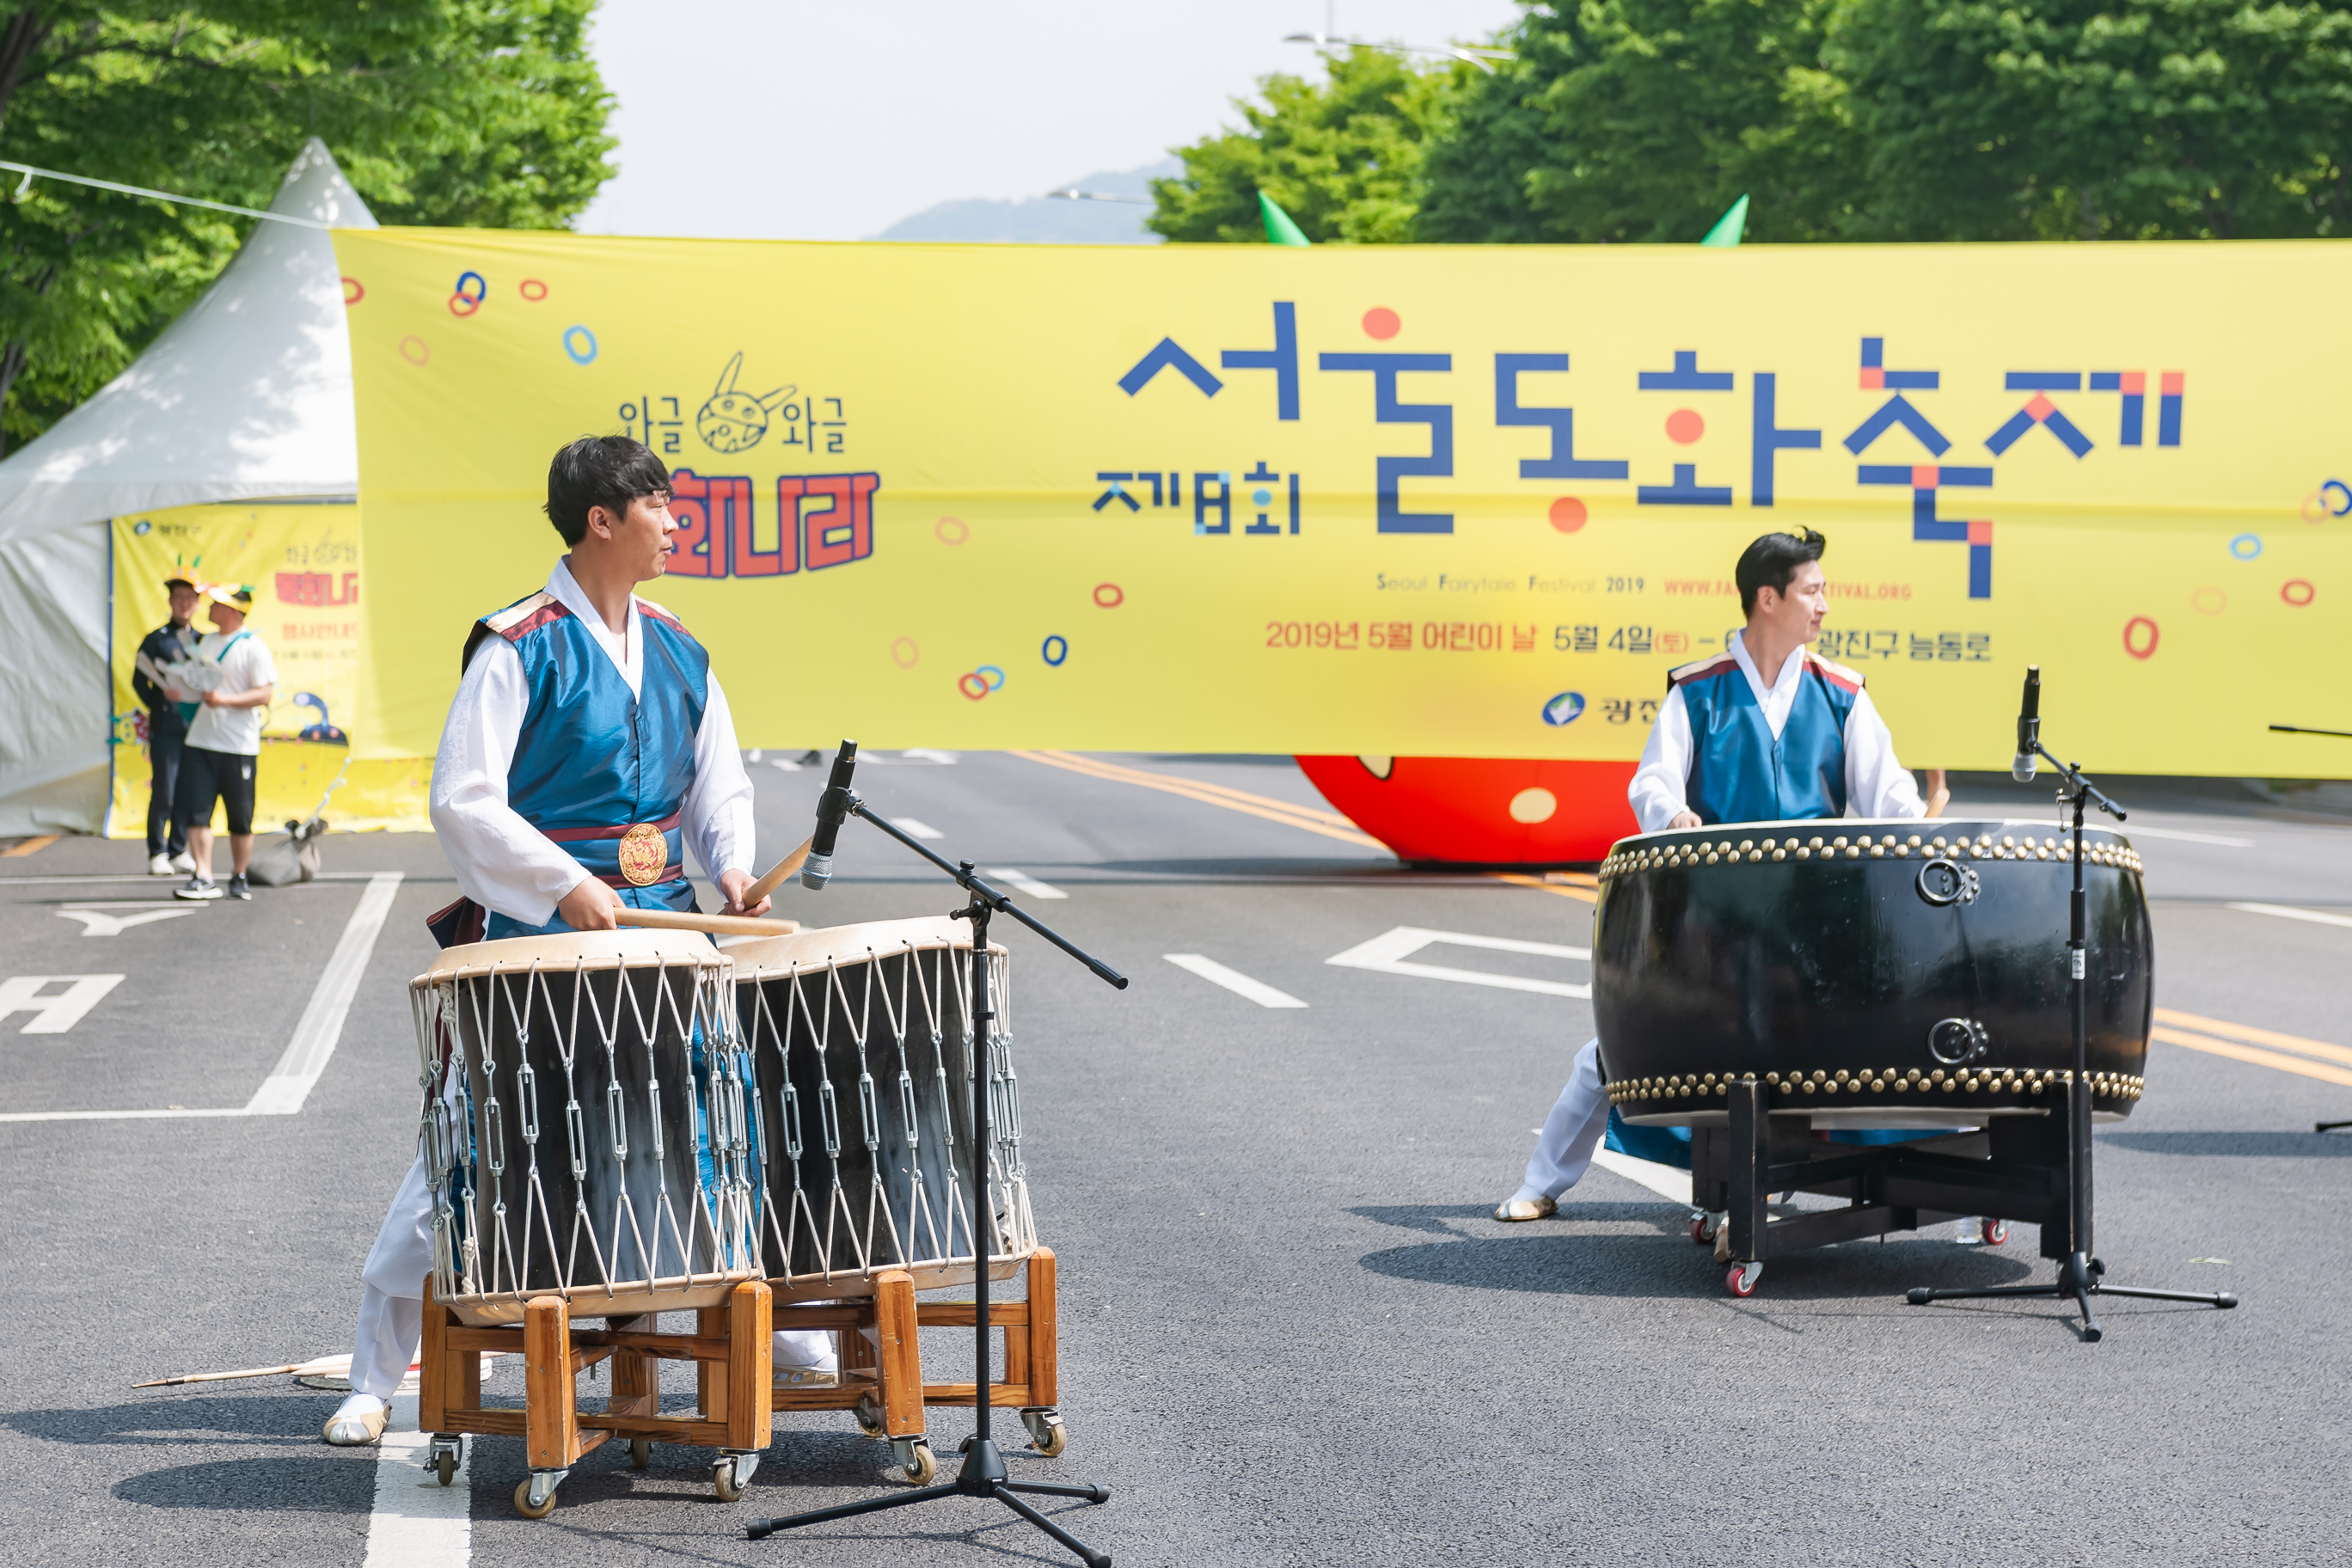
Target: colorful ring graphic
[(2132, 628), (579, 355), (353, 292), (481, 286), (464, 305), (1055, 649), (985, 670), (526, 288), (2342, 491), (2297, 591), (951, 530), (2209, 601), (413, 350), (904, 653), (972, 686), (2246, 546), (1118, 596)]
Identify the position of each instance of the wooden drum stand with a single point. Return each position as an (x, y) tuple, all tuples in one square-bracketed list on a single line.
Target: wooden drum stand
[(881, 1379)]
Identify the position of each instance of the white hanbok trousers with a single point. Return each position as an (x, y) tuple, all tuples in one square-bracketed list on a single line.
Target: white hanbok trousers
[(1578, 1121)]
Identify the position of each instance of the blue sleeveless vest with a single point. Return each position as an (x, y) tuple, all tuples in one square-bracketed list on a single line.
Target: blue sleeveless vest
[(1739, 771), (593, 758)]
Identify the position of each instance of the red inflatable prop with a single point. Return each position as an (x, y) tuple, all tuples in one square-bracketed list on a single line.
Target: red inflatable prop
[(1479, 811)]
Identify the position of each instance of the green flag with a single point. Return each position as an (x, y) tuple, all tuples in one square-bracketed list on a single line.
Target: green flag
[(1729, 227), (1280, 231)]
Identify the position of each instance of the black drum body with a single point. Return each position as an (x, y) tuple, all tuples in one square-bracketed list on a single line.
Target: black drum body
[(1891, 974)]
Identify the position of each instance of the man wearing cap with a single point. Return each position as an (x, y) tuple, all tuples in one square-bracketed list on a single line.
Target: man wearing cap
[(224, 744), (169, 708)]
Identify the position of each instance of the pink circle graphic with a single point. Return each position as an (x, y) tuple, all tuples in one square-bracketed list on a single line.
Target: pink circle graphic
[(414, 350), (532, 290), (463, 305), (2297, 591), (1569, 514), (1685, 425), (904, 653), (974, 685), (353, 292), (951, 531), (1116, 595), (2137, 628), (1382, 322)]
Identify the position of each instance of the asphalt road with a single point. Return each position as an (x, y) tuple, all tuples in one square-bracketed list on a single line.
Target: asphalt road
[(1291, 1332)]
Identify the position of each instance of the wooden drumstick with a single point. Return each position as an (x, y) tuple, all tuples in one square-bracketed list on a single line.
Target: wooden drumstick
[(1939, 795), (778, 875), (713, 925)]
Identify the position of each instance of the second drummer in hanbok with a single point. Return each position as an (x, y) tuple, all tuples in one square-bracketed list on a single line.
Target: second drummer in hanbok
[(589, 748)]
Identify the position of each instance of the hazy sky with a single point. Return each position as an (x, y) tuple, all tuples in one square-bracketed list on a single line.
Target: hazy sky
[(785, 120)]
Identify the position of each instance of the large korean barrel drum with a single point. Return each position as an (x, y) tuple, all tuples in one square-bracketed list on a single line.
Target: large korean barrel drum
[(1890, 974)]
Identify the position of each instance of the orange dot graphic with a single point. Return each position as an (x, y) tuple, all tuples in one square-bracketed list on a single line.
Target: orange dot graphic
[(1683, 425), (951, 531), (1568, 515), (1382, 322)]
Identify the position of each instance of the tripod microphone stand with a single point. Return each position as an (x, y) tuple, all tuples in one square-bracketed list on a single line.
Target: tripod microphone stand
[(983, 1474), (2082, 1276)]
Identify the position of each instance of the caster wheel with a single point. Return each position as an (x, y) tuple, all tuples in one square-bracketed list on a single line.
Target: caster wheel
[(723, 1481), (1996, 1231), (923, 1466), (522, 1501), (446, 1467), (1742, 1277), (641, 1453), (1047, 1434), (869, 1419), (1702, 1229)]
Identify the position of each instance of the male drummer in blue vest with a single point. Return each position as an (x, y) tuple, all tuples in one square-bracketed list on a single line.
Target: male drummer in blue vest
[(1732, 745), (588, 747)]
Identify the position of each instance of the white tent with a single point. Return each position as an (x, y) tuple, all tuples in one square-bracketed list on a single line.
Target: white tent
[(247, 395)]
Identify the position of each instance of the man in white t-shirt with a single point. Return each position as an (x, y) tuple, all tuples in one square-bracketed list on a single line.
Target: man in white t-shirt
[(223, 742)]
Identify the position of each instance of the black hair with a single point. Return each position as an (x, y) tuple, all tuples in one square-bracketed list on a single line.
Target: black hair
[(1772, 559), (609, 472)]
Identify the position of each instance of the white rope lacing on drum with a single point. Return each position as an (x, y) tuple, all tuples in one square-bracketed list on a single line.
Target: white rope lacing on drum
[(920, 1217)]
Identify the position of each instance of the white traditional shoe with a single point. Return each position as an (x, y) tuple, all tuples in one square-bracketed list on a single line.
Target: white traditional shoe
[(159, 866), (1513, 1210), (185, 864), (357, 1423)]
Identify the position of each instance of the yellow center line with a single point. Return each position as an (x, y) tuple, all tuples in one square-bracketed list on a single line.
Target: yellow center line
[(1137, 775), (1169, 784), (2254, 1036), (32, 845), (1542, 886), (2253, 1054)]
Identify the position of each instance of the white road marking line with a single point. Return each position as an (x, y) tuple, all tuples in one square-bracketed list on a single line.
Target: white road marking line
[(418, 1522), (1024, 882), (2314, 916), (96, 921), (789, 767), (924, 754), (917, 829), (1240, 984), (316, 1036), (2138, 830), (1386, 954), (54, 1015), (322, 1025), (1667, 1181)]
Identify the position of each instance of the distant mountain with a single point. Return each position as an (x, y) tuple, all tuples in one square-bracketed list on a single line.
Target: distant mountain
[(1045, 220)]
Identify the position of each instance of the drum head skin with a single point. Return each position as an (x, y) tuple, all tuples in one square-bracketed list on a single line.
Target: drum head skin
[(600, 949), (1871, 974), (849, 943)]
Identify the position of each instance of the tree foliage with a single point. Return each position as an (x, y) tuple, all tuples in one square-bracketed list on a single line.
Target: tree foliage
[(1631, 121), (1342, 158), (482, 112)]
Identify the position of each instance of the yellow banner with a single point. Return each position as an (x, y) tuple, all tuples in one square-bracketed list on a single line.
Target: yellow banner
[(1421, 501), (302, 562)]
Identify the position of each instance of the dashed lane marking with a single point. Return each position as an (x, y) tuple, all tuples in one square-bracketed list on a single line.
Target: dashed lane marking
[(1388, 953), (917, 829), (1023, 883), (418, 1522), (2284, 914), (1232, 980), (315, 1035)]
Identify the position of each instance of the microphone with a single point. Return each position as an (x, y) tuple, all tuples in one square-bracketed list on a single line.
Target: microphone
[(2029, 727), (831, 808)]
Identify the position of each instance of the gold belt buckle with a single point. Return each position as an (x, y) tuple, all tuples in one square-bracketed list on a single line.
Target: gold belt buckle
[(644, 854)]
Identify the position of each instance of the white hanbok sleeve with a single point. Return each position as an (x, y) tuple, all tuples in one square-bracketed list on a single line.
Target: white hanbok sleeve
[(1661, 786), (1876, 784), (716, 819), (503, 862)]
